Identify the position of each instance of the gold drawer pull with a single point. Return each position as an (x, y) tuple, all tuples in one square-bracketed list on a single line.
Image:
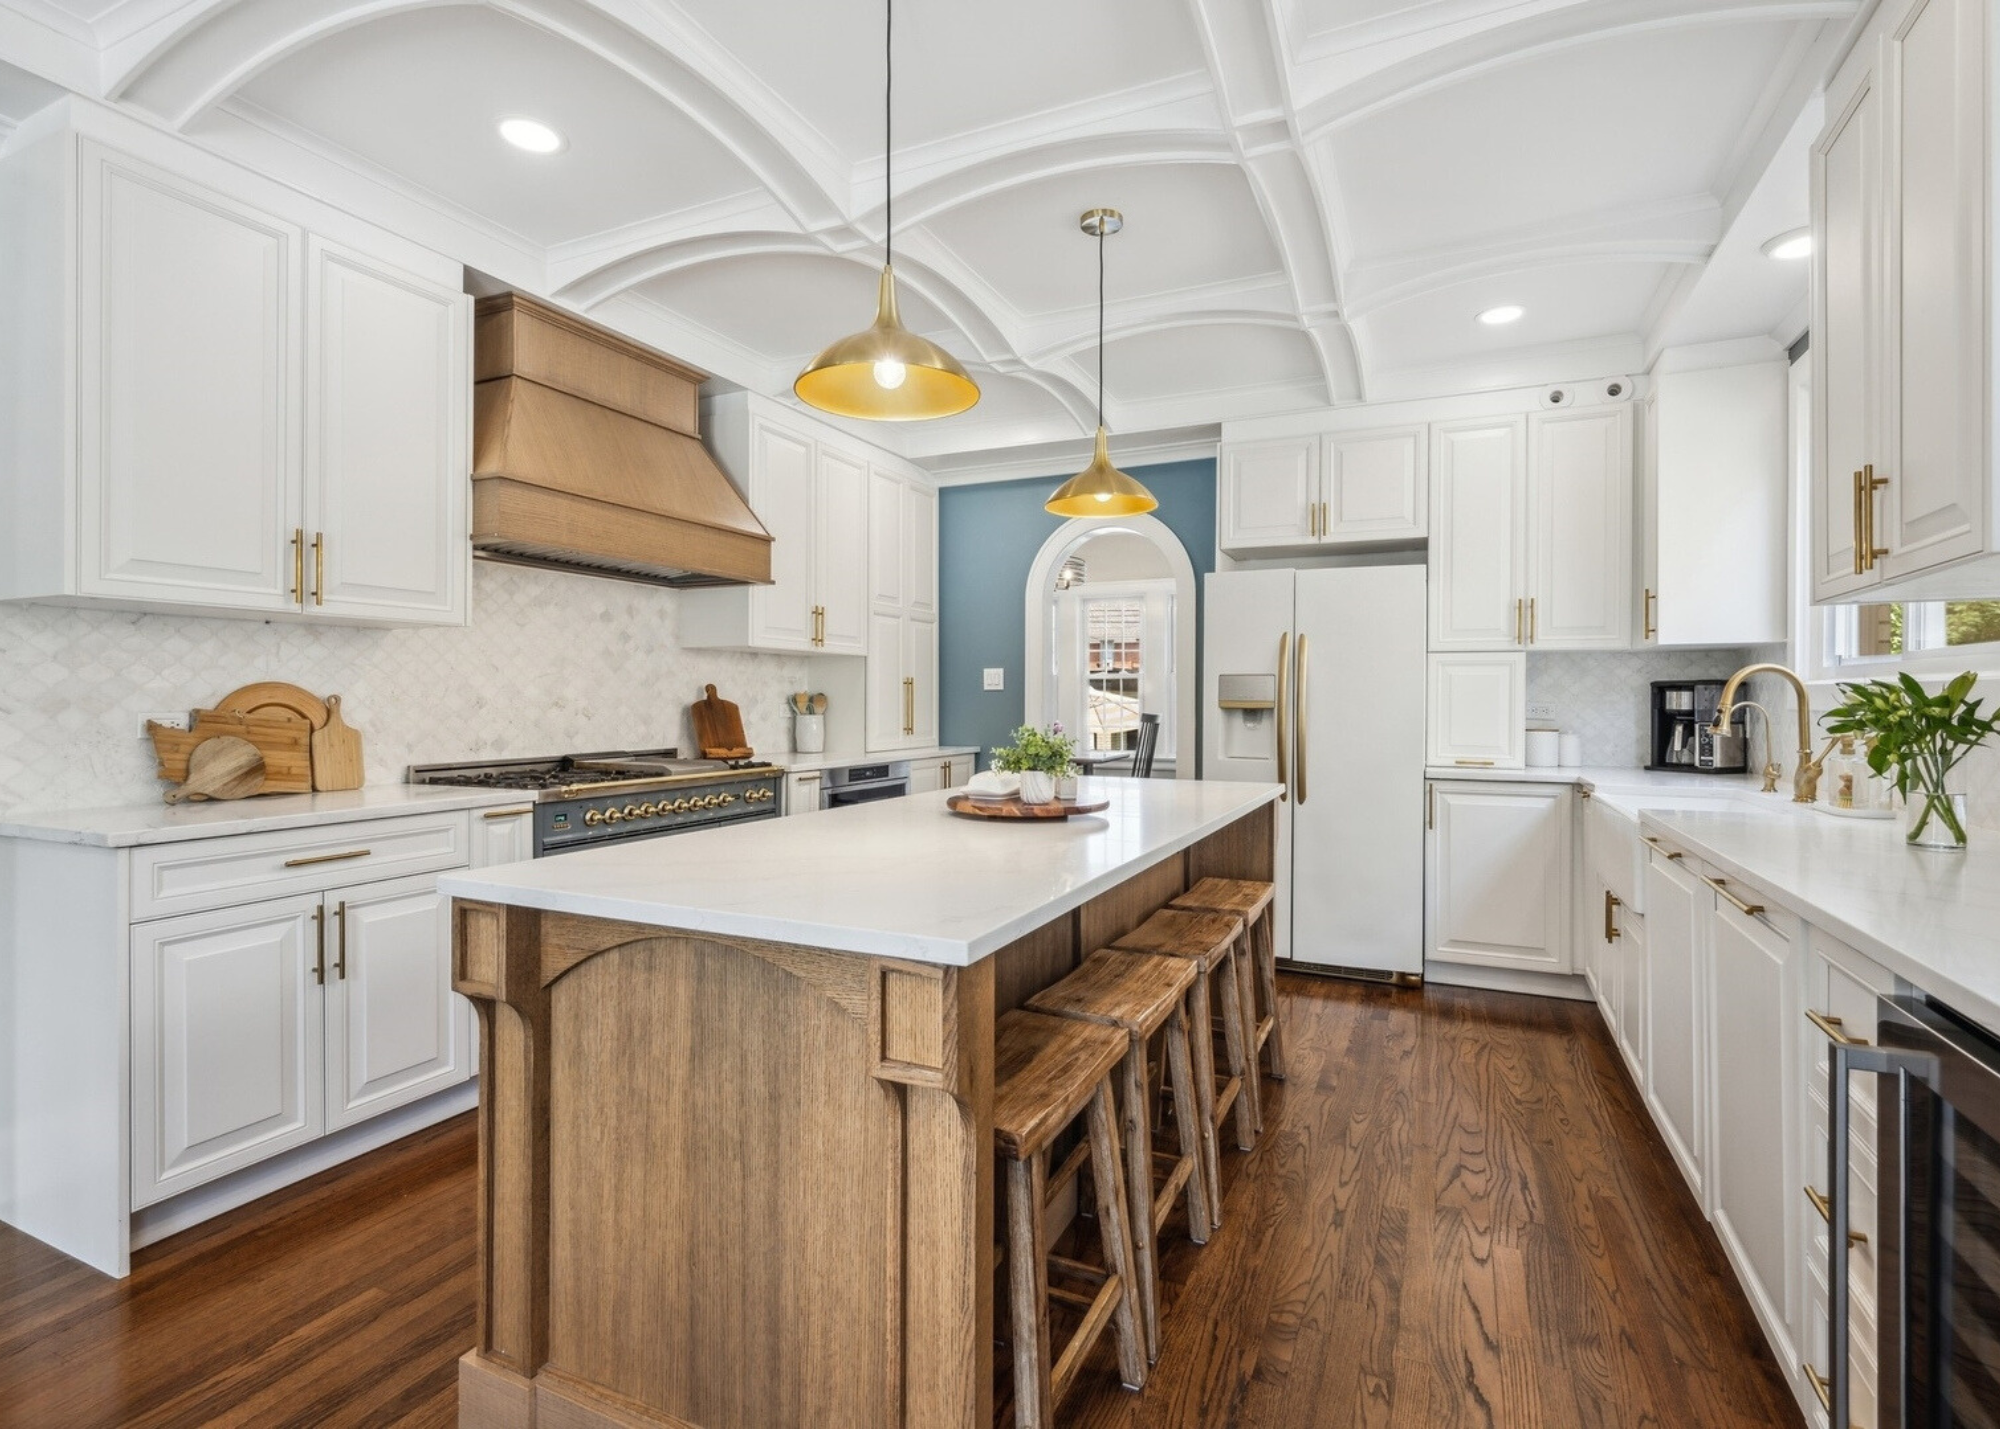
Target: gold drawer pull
[(1474, 763), (1661, 848), (1611, 905), (1825, 1209), (328, 858), (1719, 885), (1834, 1028), (507, 813)]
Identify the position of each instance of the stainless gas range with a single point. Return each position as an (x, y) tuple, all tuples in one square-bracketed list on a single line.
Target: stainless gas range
[(587, 800)]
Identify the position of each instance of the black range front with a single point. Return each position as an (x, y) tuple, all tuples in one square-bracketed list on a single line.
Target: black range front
[(623, 814)]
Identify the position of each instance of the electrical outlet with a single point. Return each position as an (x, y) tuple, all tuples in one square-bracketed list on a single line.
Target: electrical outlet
[(996, 678), (1542, 712), (171, 721)]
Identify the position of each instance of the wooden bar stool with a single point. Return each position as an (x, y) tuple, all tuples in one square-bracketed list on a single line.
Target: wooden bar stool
[(1250, 900), (1142, 994), (1209, 941), (1047, 1071)]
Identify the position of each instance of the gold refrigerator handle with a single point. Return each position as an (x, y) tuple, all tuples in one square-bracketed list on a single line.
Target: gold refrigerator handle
[(1299, 711), (1284, 679)]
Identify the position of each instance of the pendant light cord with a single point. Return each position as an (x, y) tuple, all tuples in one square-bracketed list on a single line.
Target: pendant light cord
[(888, 133), (1100, 322)]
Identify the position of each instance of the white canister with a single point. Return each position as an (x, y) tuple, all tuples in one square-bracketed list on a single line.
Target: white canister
[(808, 733), (1543, 747), (1572, 751)]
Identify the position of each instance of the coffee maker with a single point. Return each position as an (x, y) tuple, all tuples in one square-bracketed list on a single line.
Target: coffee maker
[(1683, 737)]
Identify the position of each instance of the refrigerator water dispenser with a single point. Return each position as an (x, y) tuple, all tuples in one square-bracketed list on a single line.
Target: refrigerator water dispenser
[(1249, 705)]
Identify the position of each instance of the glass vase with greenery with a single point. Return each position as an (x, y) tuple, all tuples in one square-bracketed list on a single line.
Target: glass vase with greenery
[(1916, 739), (1040, 757)]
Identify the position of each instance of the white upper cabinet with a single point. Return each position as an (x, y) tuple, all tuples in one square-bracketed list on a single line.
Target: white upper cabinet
[(261, 422), (1479, 547), (385, 417), (1375, 486), (1580, 539), (1902, 481), (1715, 441), (840, 536), (1478, 710), (902, 686), (823, 502), (1337, 489), (186, 469), (1270, 493)]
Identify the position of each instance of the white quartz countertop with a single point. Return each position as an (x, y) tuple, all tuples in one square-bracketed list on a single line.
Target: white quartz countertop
[(840, 759), (900, 878), (161, 823)]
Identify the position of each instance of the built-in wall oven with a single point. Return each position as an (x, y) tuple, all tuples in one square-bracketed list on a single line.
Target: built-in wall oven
[(864, 784), (1938, 1296)]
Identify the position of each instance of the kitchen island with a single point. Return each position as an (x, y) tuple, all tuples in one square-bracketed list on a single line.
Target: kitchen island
[(736, 1163)]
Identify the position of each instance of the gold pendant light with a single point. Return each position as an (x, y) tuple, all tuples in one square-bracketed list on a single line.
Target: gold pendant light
[(885, 372), (1101, 489)]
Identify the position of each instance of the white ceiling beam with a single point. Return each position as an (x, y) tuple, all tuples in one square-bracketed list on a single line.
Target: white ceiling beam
[(1502, 45)]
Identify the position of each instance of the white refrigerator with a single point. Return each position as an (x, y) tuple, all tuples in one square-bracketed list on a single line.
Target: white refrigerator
[(1315, 679)]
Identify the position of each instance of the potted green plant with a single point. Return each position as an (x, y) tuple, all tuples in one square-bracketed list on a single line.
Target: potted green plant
[(1916, 739), (1039, 757)]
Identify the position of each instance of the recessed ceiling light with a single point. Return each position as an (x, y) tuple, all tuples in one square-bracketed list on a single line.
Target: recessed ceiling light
[(532, 135), (1790, 247), (1502, 315)]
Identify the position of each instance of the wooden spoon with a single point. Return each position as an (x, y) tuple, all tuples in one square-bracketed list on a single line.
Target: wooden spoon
[(221, 768)]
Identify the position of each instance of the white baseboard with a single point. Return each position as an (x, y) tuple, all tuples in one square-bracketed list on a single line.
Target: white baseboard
[(1570, 986), (203, 1203)]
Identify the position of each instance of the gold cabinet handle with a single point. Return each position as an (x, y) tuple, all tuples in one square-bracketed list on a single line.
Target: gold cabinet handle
[(508, 813), (1531, 620), (1312, 518), (1860, 530), (1610, 916), (319, 568), (1474, 763), (1662, 849), (1652, 626), (327, 858), (340, 916), (1299, 720), (1825, 1209), (1820, 1387), (319, 937), (1430, 806), (1284, 679), (1520, 608), (1721, 887), (1870, 484), (299, 565), (1834, 1028)]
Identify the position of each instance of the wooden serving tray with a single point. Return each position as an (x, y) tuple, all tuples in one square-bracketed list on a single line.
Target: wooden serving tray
[(973, 808)]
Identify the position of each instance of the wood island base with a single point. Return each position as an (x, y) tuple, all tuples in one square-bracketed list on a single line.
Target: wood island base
[(732, 1184)]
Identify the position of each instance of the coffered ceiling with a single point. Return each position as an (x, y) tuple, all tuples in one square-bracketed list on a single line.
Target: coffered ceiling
[(1321, 194)]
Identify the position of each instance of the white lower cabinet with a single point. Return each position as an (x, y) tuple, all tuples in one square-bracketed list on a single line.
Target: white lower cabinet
[(802, 792), (1630, 1031), (1753, 1037), (1497, 876), (1676, 1082), (503, 835), (226, 1042), (257, 1029)]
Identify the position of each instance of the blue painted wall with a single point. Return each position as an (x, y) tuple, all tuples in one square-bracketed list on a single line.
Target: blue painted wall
[(987, 539)]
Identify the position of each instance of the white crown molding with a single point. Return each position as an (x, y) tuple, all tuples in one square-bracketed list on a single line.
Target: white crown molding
[(50, 43), (1733, 352)]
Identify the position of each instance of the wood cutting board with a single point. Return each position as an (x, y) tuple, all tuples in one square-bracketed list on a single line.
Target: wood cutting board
[(336, 751), (1013, 808), (718, 727), (221, 768), (275, 694), (282, 738)]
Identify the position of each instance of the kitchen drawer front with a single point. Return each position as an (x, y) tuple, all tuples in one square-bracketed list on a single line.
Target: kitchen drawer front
[(214, 873)]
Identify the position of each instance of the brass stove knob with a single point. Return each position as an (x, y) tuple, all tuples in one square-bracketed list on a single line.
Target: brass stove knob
[(726, 799), (593, 817), (648, 810), (612, 816), (631, 811), (680, 806)]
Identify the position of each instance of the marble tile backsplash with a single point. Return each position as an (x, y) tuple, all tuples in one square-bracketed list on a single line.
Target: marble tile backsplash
[(551, 663), (1604, 696)]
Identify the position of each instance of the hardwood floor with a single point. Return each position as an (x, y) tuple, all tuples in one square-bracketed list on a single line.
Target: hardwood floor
[(1458, 1215)]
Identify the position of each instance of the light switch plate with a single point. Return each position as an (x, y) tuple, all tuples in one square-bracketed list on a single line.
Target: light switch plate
[(1542, 712), (996, 678)]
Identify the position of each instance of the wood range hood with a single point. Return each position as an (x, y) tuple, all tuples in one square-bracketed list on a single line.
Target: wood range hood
[(587, 457)]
